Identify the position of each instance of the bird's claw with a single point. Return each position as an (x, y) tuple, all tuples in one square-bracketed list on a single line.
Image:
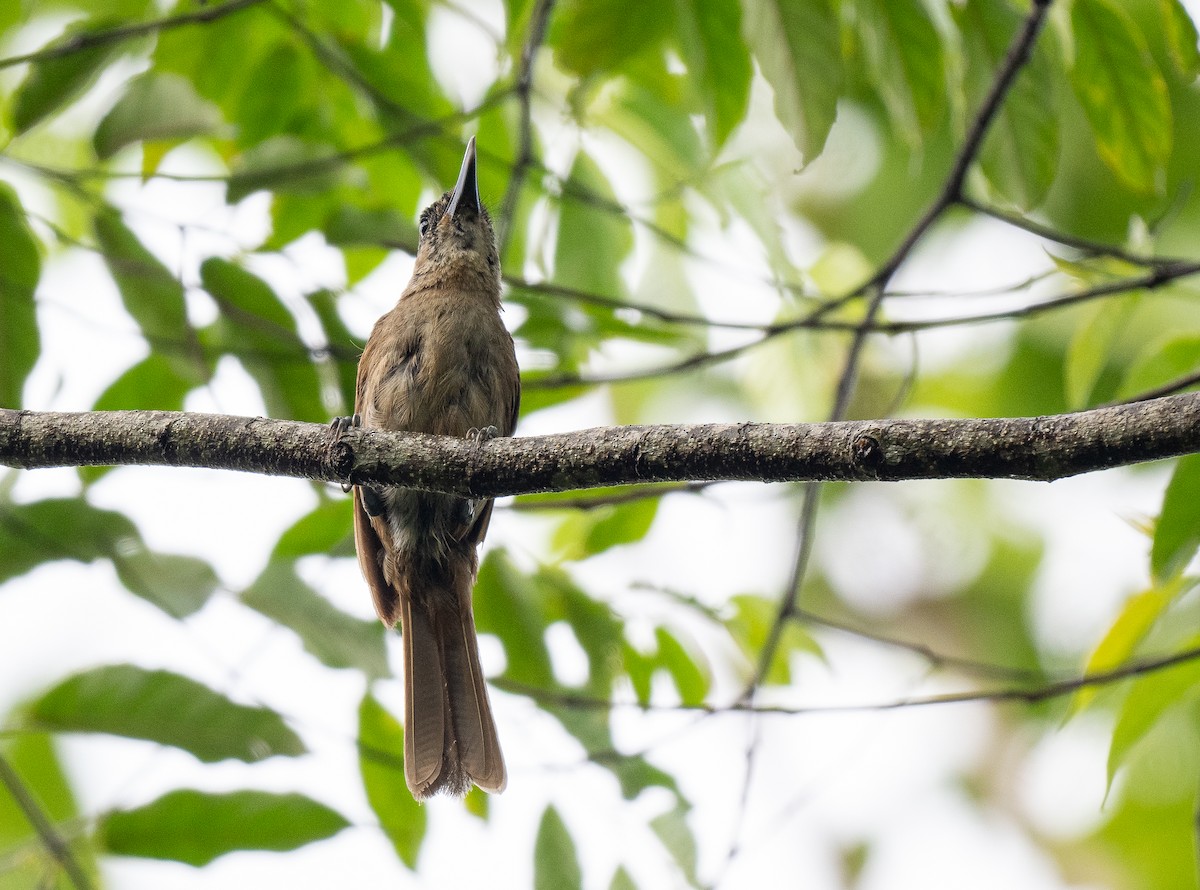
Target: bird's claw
[(482, 434), (337, 429), (339, 425), (372, 499)]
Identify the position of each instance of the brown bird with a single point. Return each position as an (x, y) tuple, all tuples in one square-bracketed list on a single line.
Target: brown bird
[(440, 362)]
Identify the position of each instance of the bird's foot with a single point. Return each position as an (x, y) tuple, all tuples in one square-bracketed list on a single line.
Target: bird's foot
[(482, 434), (337, 429), (339, 425), (371, 497)]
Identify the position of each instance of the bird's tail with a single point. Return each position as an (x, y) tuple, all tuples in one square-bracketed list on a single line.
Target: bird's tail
[(449, 735)]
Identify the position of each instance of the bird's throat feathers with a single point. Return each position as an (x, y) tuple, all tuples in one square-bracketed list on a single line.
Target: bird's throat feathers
[(457, 252)]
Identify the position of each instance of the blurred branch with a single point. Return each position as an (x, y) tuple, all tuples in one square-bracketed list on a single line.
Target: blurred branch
[(1159, 276), (936, 660), (93, 39), (1174, 386), (42, 824), (627, 496), (1037, 448), (1027, 694), (594, 299), (268, 177), (1051, 234), (524, 93), (876, 286)]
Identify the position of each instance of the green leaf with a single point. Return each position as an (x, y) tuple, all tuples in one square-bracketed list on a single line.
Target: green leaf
[(11, 14), (1164, 362), (336, 639), (262, 113), (400, 73), (676, 835), (1182, 38), (58, 528), (504, 607), (586, 533), (686, 670), (20, 268), (632, 771), (54, 83), (798, 48), (152, 295), (70, 528), (284, 164), (476, 803), (350, 225), (33, 756), (718, 62), (1138, 615), (555, 862), (296, 214), (593, 36), (591, 243), (325, 529), (596, 626), (196, 827), (257, 328), (1177, 534), (622, 881), (1122, 93), (750, 625), (179, 585), (151, 383), (166, 708), (155, 107), (343, 346), (904, 54), (381, 763), (639, 669), (1092, 345), (220, 57), (655, 122), (1151, 696), (1020, 152)]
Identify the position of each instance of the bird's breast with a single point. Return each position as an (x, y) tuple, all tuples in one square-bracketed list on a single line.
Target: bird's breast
[(444, 366)]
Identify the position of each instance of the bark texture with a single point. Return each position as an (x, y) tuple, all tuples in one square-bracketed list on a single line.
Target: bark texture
[(1037, 448)]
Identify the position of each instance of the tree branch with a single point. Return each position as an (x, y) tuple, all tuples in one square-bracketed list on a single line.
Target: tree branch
[(523, 90), (1018, 693), (92, 39), (1038, 448), (42, 824)]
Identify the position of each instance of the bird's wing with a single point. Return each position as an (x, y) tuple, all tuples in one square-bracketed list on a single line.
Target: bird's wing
[(371, 551)]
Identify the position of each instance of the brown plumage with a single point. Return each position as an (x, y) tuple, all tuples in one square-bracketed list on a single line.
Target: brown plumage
[(440, 362)]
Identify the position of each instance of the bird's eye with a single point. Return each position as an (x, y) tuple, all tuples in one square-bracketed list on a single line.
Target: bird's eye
[(423, 225)]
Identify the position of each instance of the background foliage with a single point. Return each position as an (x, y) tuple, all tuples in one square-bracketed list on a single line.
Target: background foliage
[(204, 205)]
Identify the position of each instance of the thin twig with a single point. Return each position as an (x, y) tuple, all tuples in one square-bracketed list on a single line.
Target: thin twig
[(1050, 234), (93, 39), (616, 499), (42, 824), (1027, 694), (876, 287), (523, 90), (1177, 385)]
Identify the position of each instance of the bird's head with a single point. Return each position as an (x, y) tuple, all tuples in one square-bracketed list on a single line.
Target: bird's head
[(457, 239)]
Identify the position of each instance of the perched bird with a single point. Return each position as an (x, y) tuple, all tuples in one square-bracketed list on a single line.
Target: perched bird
[(440, 362)]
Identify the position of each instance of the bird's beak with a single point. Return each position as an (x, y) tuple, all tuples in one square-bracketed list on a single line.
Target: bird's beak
[(466, 190)]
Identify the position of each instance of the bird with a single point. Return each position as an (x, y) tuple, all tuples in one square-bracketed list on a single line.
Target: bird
[(442, 362)]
